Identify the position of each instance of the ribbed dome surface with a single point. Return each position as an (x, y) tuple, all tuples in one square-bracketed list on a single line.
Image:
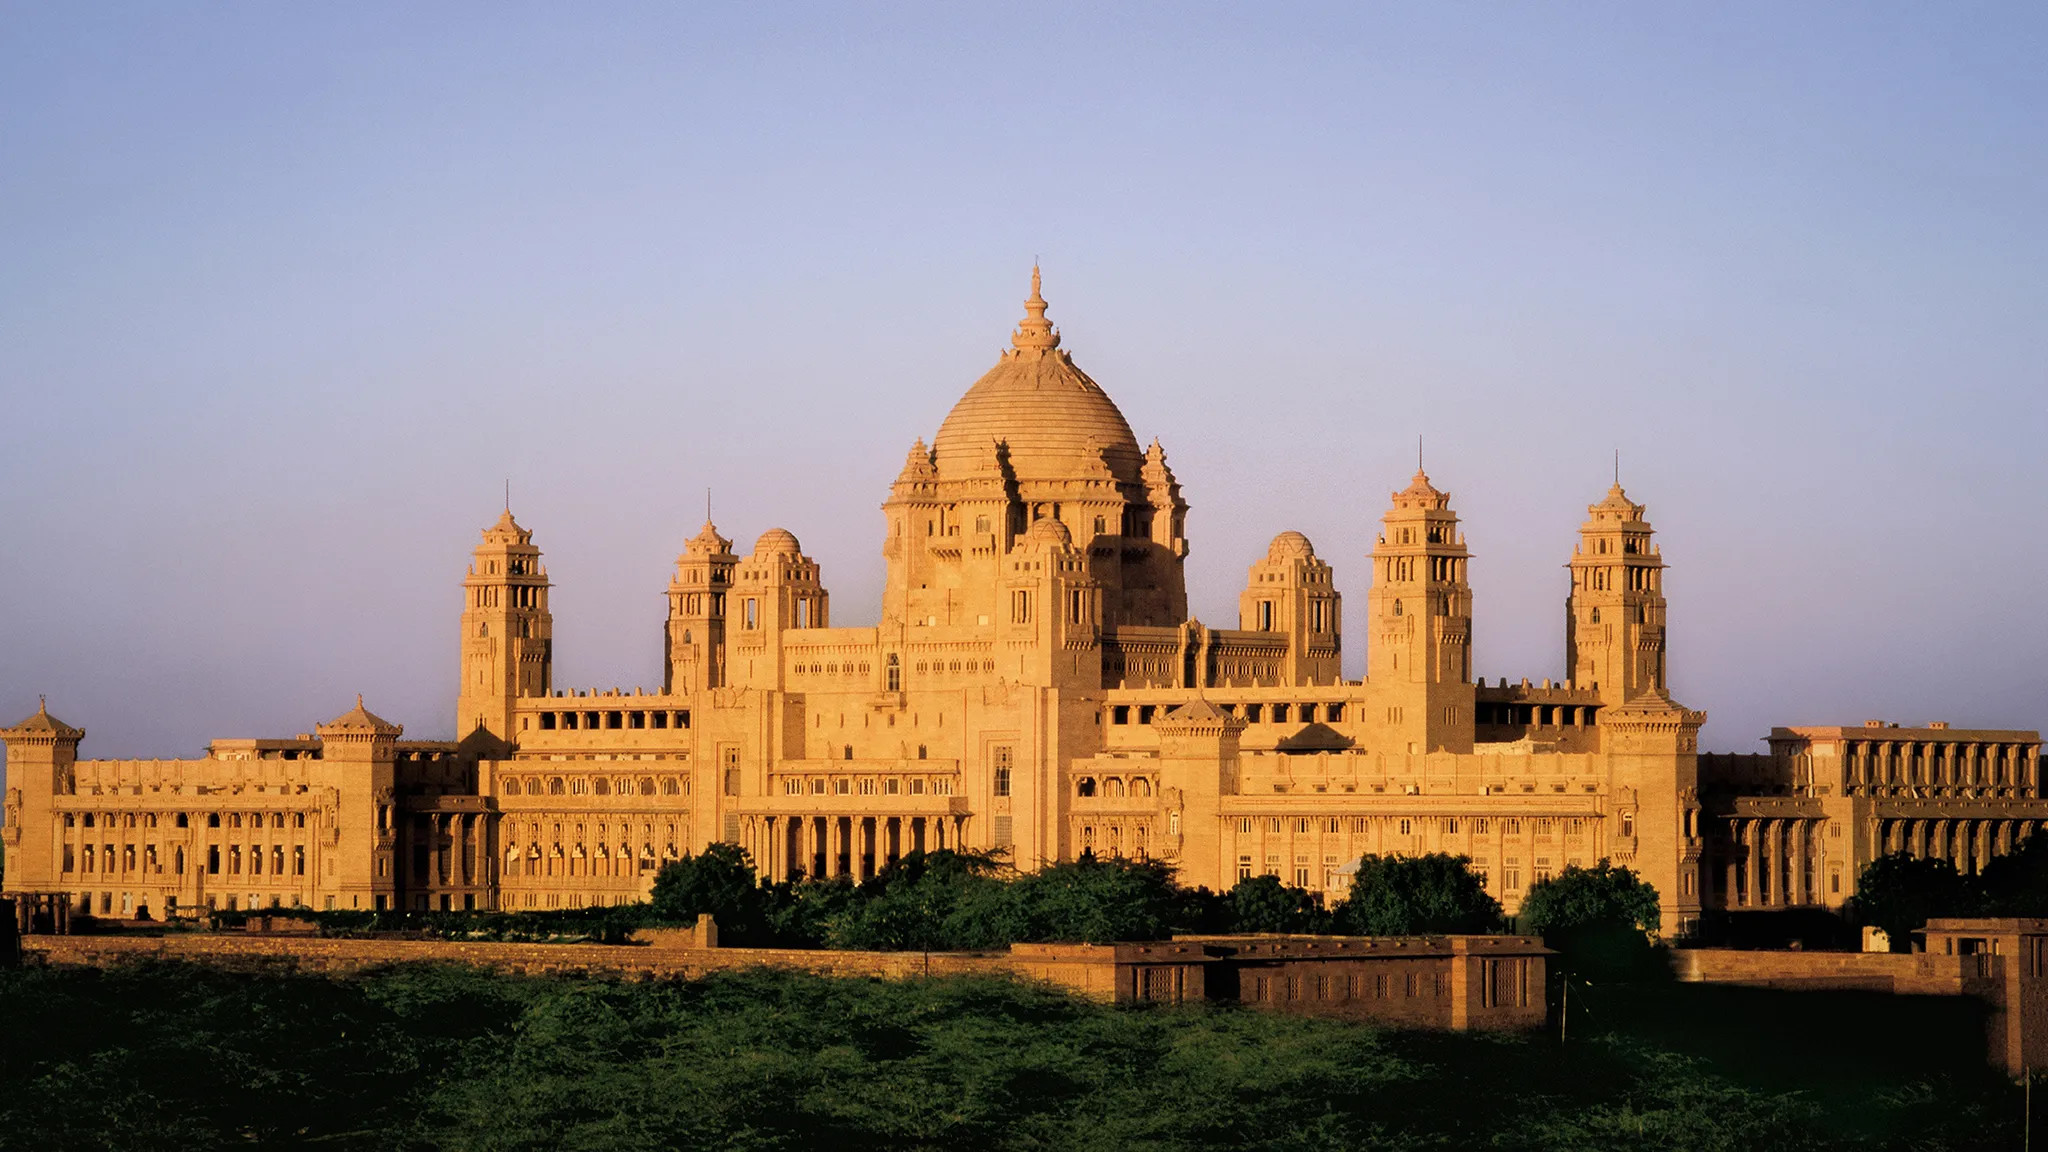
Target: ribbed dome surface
[(1289, 545), (1052, 416), (777, 542)]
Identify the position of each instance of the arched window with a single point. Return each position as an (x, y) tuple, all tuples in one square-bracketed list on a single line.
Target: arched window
[(579, 786), (669, 787), (601, 786), (848, 753), (1596, 615), (1114, 786), (1140, 786), (1397, 607), (647, 785), (1085, 786), (920, 751), (512, 786), (555, 786), (894, 674)]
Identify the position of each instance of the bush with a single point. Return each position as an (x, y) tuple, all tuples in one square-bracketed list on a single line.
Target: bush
[(1416, 895), (1598, 919), (719, 880)]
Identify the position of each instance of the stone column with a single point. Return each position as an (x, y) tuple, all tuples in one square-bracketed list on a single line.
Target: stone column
[(1752, 862), (1796, 855)]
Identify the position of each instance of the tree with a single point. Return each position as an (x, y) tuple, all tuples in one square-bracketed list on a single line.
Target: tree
[(911, 903), (2016, 884), (1263, 904), (720, 880), (1094, 901), (1415, 895), (1901, 892), (1598, 919)]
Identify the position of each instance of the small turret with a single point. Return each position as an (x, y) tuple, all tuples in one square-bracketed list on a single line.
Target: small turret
[(1294, 592)]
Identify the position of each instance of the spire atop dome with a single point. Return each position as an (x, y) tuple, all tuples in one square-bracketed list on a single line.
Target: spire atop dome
[(1035, 331)]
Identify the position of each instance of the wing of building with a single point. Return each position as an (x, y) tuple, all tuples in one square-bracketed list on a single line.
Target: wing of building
[(1034, 686)]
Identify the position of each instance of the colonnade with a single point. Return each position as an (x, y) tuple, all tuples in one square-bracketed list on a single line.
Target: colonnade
[(850, 847), (458, 858), (1775, 862), (1969, 844)]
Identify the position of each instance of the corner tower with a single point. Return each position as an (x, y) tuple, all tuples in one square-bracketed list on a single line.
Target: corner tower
[(507, 632), (1420, 662), (1614, 619), (41, 752)]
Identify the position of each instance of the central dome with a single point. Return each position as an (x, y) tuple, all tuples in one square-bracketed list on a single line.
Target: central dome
[(1056, 421)]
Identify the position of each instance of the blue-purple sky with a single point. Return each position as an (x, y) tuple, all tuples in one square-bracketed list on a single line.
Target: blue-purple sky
[(287, 292)]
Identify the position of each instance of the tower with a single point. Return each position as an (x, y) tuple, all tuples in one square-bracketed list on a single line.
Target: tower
[(1052, 611), (358, 760), (40, 753), (1292, 591), (774, 590), (1420, 662), (507, 632), (696, 614), (1614, 619)]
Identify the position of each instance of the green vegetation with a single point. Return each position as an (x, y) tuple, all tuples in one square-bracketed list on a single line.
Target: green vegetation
[(1598, 919), (1410, 895), (1900, 893), (169, 1056)]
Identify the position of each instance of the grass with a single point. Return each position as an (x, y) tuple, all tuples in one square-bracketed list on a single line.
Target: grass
[(174, 1056)]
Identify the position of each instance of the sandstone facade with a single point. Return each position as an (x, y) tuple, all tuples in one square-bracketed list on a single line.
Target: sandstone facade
[(1035, 685)]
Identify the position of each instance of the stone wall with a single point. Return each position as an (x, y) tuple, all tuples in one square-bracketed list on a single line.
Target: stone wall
[(1420, 982), (342, 957)]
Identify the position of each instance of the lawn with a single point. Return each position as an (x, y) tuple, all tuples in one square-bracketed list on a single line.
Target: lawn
[(174, 1056)]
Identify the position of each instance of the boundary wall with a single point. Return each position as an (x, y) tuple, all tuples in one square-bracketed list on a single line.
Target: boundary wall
[(1494, 983)]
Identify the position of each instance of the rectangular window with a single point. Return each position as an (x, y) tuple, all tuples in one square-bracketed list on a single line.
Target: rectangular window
[(1244, 867), (1003, 832), (1020, 607), (1002, 756), (753, 614)]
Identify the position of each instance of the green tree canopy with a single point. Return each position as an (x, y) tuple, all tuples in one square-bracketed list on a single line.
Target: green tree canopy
[(913, 903), (1901, 892), (1598, 919), (1263, 904), (2016, 884), (1416, 895), (720, 880), (1094, 901)]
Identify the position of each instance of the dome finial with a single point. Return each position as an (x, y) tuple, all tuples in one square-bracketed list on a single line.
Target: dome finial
[(1036, 331)]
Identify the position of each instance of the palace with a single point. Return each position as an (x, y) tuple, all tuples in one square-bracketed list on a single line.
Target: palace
[(1034, 686)]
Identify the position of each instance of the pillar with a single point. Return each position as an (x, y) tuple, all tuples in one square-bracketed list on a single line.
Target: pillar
[(1752, 869)]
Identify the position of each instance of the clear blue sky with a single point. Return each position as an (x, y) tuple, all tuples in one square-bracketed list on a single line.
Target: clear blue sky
[(288, 291)]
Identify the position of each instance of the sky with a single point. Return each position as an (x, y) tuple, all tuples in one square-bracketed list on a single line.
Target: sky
[(289, 294)]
